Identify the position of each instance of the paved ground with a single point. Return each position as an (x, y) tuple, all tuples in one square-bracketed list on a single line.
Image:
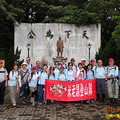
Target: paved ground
[(59, 111)]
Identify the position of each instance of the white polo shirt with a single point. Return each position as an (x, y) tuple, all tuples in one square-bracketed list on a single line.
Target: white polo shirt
[(3, 73)]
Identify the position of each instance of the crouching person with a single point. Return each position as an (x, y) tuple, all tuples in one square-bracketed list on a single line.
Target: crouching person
[(32, 80), (43, 76), (112, 81), (12, 84)]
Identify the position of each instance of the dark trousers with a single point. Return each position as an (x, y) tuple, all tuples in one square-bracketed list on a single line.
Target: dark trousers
[(23, 91), (41, 93), (2, 92), (33, 94), (100, 86)]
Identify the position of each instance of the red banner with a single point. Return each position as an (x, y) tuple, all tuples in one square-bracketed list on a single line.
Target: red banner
[(70, 90)]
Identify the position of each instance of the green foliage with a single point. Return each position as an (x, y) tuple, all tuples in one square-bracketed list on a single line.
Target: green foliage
[(112, 49), (11, 58), (71, 14)]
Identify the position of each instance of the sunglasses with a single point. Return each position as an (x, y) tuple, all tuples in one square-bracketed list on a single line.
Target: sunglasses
[(1, 63)]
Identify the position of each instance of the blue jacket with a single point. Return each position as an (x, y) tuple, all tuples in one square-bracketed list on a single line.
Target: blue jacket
[(33, 81), (43, 77), (12, 78)]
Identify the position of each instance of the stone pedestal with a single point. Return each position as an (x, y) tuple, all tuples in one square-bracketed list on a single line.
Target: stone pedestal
[(59, 60)]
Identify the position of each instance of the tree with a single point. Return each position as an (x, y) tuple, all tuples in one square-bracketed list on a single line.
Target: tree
[(112, 49)]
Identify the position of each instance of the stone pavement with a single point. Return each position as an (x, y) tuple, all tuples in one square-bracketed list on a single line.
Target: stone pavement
[(59, 111)]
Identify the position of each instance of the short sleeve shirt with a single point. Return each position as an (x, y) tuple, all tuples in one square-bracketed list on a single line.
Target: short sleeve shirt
[(3, 73)]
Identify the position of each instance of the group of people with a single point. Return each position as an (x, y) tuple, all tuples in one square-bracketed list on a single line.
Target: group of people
[(33, 79)]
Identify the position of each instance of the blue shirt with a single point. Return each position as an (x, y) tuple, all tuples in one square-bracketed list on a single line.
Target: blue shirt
[(74, 67), (56, 71), (52, 77), (94, 68), (112, 71), (70, 75), (43, 77), (90, 75), (12, 78), (29, 67), (39, 69), (100, 72), (62, 77), (65, 67), (33, 81)]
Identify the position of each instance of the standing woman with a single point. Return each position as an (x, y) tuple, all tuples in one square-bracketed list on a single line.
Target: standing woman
[(24, 73), (90, 72), (43, 76), (51, 74), (79, 72), (12, 83), (56, 71), (33, 80), (90, 75), (70, 72), (62, 76)]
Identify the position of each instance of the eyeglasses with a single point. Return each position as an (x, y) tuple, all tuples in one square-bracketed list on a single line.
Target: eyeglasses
[(56, 64), (70, 65), (1, 63)]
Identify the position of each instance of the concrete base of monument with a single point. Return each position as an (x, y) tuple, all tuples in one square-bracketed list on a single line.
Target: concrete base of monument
[(59, 59)]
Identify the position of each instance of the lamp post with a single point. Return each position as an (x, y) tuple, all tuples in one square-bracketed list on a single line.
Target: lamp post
[(28, 47), (89, 47)]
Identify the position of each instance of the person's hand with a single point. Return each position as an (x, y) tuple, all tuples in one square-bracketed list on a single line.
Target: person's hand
[(38, 77), (17, 77), (5, 84), (106, 82), (109, 76), (30, 77)]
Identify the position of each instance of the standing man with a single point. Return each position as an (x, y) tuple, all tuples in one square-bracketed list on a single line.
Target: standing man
[(112, 81), (74, 67), (3, 82), (39, 68), (63, 64), (100, 80), (48, 67), (29, 66), (60, 47), (93, 64), (83, 64)]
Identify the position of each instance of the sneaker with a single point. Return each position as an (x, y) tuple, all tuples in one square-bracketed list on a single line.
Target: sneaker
[(23, 102), (52, 101), (115, 101), (14, 105), (111, 100), (33, 104), (2, 105), (88, 101), (39, 103)]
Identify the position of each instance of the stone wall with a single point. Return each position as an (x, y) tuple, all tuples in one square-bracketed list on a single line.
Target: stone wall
[(42, 47)]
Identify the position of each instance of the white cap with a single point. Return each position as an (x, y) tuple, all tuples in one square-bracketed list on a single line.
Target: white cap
[(28, 58), (83, 59), (24, 63)]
